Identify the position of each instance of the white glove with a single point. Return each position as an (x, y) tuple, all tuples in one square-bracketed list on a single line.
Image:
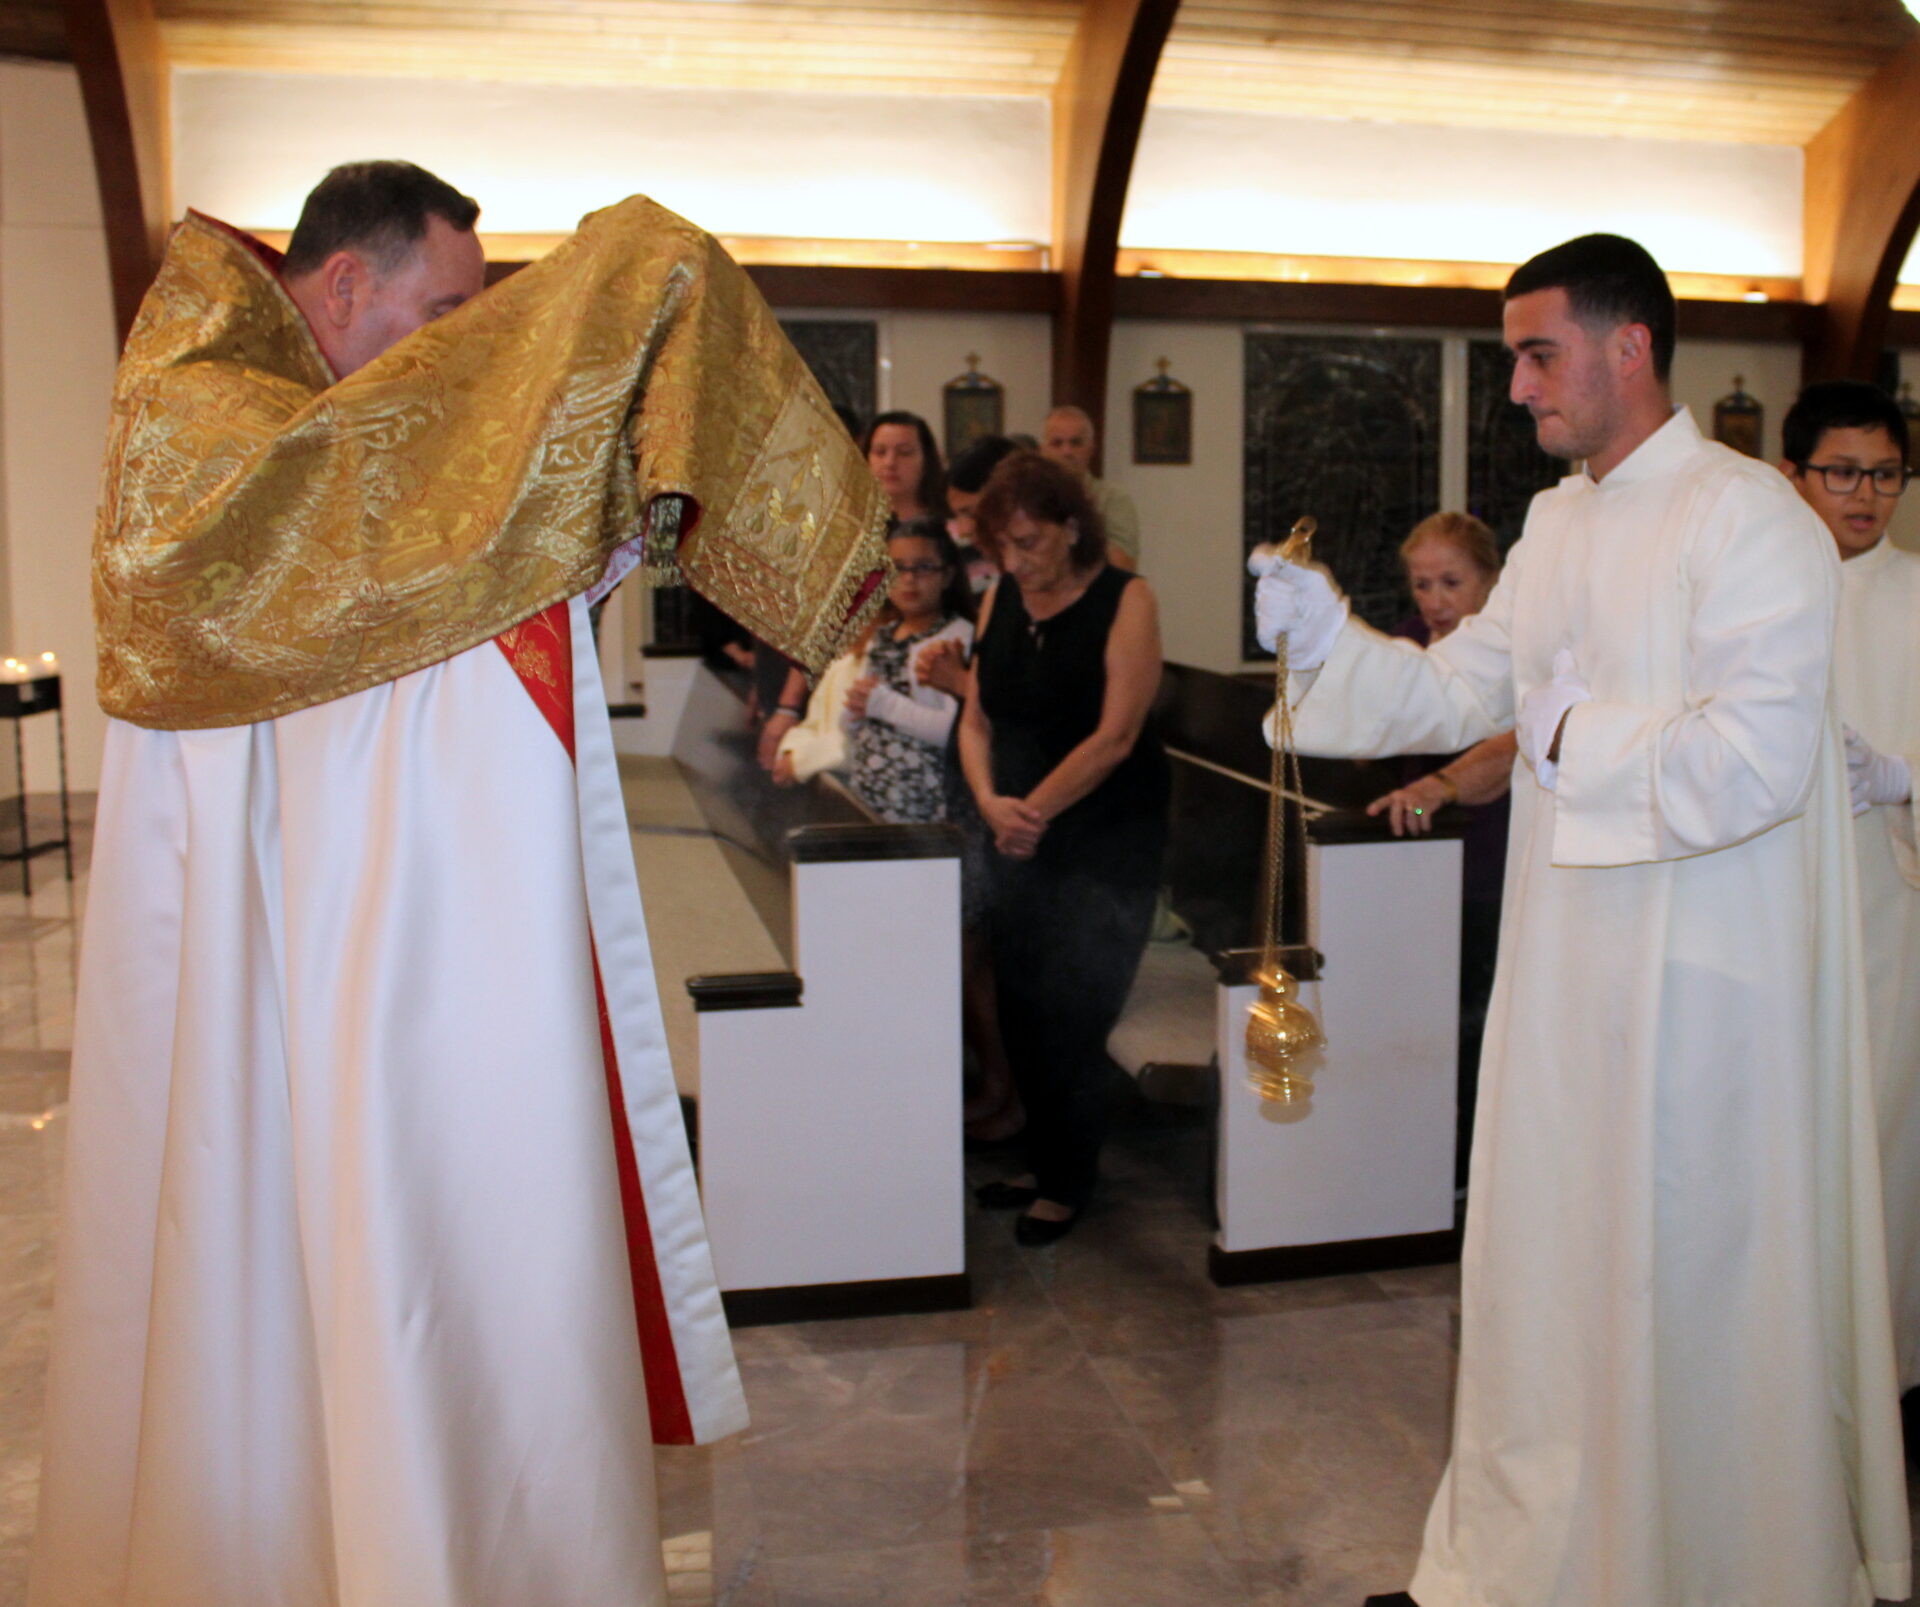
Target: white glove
[(1541, 712), (1299, 604), (1874, 777)]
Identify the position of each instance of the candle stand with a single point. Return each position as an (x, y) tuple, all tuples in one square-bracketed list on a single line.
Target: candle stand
[(21, 700)]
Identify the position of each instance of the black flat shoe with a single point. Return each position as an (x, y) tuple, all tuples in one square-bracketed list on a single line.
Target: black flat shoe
[(1034, 1231), (1398, 1598), (1004, 1196)]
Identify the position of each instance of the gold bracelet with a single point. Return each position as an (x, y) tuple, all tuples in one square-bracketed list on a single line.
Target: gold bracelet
[(1452, 786)]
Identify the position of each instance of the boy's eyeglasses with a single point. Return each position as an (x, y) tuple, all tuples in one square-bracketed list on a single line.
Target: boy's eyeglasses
[(1843, 479), (925, 570)]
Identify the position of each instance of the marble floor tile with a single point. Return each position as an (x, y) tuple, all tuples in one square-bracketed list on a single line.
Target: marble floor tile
[(1054, 1450), (1011, 1326), (858, 1449), (1159, 1561), (983, 1571), (1309, 1441), (32, 1083), (13, 1577), (30, 1163), (26, 1252)]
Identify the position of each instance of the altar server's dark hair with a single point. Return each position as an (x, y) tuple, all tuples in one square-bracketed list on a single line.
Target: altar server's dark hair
[(1838, 404), (1609, 280), (379, 208)]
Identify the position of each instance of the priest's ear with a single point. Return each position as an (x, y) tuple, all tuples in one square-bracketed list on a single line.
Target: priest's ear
[(343, 282)]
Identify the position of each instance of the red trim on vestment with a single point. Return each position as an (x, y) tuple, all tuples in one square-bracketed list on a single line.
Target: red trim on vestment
[(275, 260), (666, 1390), (865, 591), (541, 653), (540, 650)]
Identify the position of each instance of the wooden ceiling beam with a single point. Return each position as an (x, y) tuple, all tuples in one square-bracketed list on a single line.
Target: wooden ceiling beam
[(1861, 208), (1278, 301), (1098, 107), (123, 83)]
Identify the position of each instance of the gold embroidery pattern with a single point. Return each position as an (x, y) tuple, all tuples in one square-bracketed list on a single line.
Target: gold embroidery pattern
[(270, 539)]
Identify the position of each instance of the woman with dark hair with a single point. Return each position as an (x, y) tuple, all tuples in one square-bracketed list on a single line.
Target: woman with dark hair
[(904, 458), (1073, 785)]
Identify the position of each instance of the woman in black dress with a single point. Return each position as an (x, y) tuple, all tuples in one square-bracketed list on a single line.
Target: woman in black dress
[(1073, 786)]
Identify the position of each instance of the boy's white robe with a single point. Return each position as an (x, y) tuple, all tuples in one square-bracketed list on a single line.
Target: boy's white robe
[(1676, 1385), (1876, 673), (346, 1298)]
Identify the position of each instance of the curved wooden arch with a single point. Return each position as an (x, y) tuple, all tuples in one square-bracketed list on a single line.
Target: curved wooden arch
[(123, 83), (1862, 207), (1098, 108)]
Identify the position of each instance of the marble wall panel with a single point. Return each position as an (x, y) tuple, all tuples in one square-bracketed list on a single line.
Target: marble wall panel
[(1505, 466), (844, 354), (1346, 428)]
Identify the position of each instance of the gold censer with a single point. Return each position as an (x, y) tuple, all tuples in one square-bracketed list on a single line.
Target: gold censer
[(1283, 1035)]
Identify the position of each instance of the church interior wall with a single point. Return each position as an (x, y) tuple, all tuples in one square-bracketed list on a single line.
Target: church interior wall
[(57, 354), (921, 351), (1341, 188), (248, 146)]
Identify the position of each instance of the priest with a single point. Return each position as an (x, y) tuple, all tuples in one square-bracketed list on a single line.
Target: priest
[(381, 1261), (1844, 449), (1676, 1380)]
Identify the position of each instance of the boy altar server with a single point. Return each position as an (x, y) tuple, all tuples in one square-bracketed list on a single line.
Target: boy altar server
[(1845, 450)]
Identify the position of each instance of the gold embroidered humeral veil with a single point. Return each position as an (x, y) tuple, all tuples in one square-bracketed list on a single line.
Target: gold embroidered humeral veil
[(271, 538)]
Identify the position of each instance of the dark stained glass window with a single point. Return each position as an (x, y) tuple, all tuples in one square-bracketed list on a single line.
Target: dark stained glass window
[(844, 354), (1346, 428), (1505, 466)]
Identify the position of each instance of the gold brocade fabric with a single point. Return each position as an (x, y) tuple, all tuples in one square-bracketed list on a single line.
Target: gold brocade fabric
[(270, 539)]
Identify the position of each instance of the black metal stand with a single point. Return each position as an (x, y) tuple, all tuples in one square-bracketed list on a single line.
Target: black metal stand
[(19, 702)]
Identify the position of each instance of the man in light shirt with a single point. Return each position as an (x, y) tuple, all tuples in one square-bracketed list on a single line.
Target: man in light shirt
[(1068, 438)]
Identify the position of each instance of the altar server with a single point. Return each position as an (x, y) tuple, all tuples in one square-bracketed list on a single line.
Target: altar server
[(381, 1262), (1845, 450), (1676, 1378)]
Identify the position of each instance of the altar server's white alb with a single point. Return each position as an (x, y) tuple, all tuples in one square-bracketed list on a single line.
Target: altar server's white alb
[(1876, 672), (1676, 1383)]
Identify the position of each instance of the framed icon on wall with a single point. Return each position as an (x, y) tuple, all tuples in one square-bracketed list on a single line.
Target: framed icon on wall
[(1162, 419), (1738, 420), (975, 406)]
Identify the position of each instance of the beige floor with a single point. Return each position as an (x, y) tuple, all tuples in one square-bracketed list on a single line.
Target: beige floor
[(699, 922), (1103, 1429)]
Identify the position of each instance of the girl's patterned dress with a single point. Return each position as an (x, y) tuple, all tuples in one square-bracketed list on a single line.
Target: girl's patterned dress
[(897, 776)]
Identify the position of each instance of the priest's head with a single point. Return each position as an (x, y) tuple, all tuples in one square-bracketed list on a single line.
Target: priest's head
[(380, 249), (1590, 325), (1844, 447)]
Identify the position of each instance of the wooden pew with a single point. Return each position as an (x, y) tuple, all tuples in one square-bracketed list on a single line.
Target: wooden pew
[(1363, 1177), (830, 1093)]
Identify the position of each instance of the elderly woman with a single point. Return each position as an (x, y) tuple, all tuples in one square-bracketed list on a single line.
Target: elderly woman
[(1073, 786), (1452, 562)]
